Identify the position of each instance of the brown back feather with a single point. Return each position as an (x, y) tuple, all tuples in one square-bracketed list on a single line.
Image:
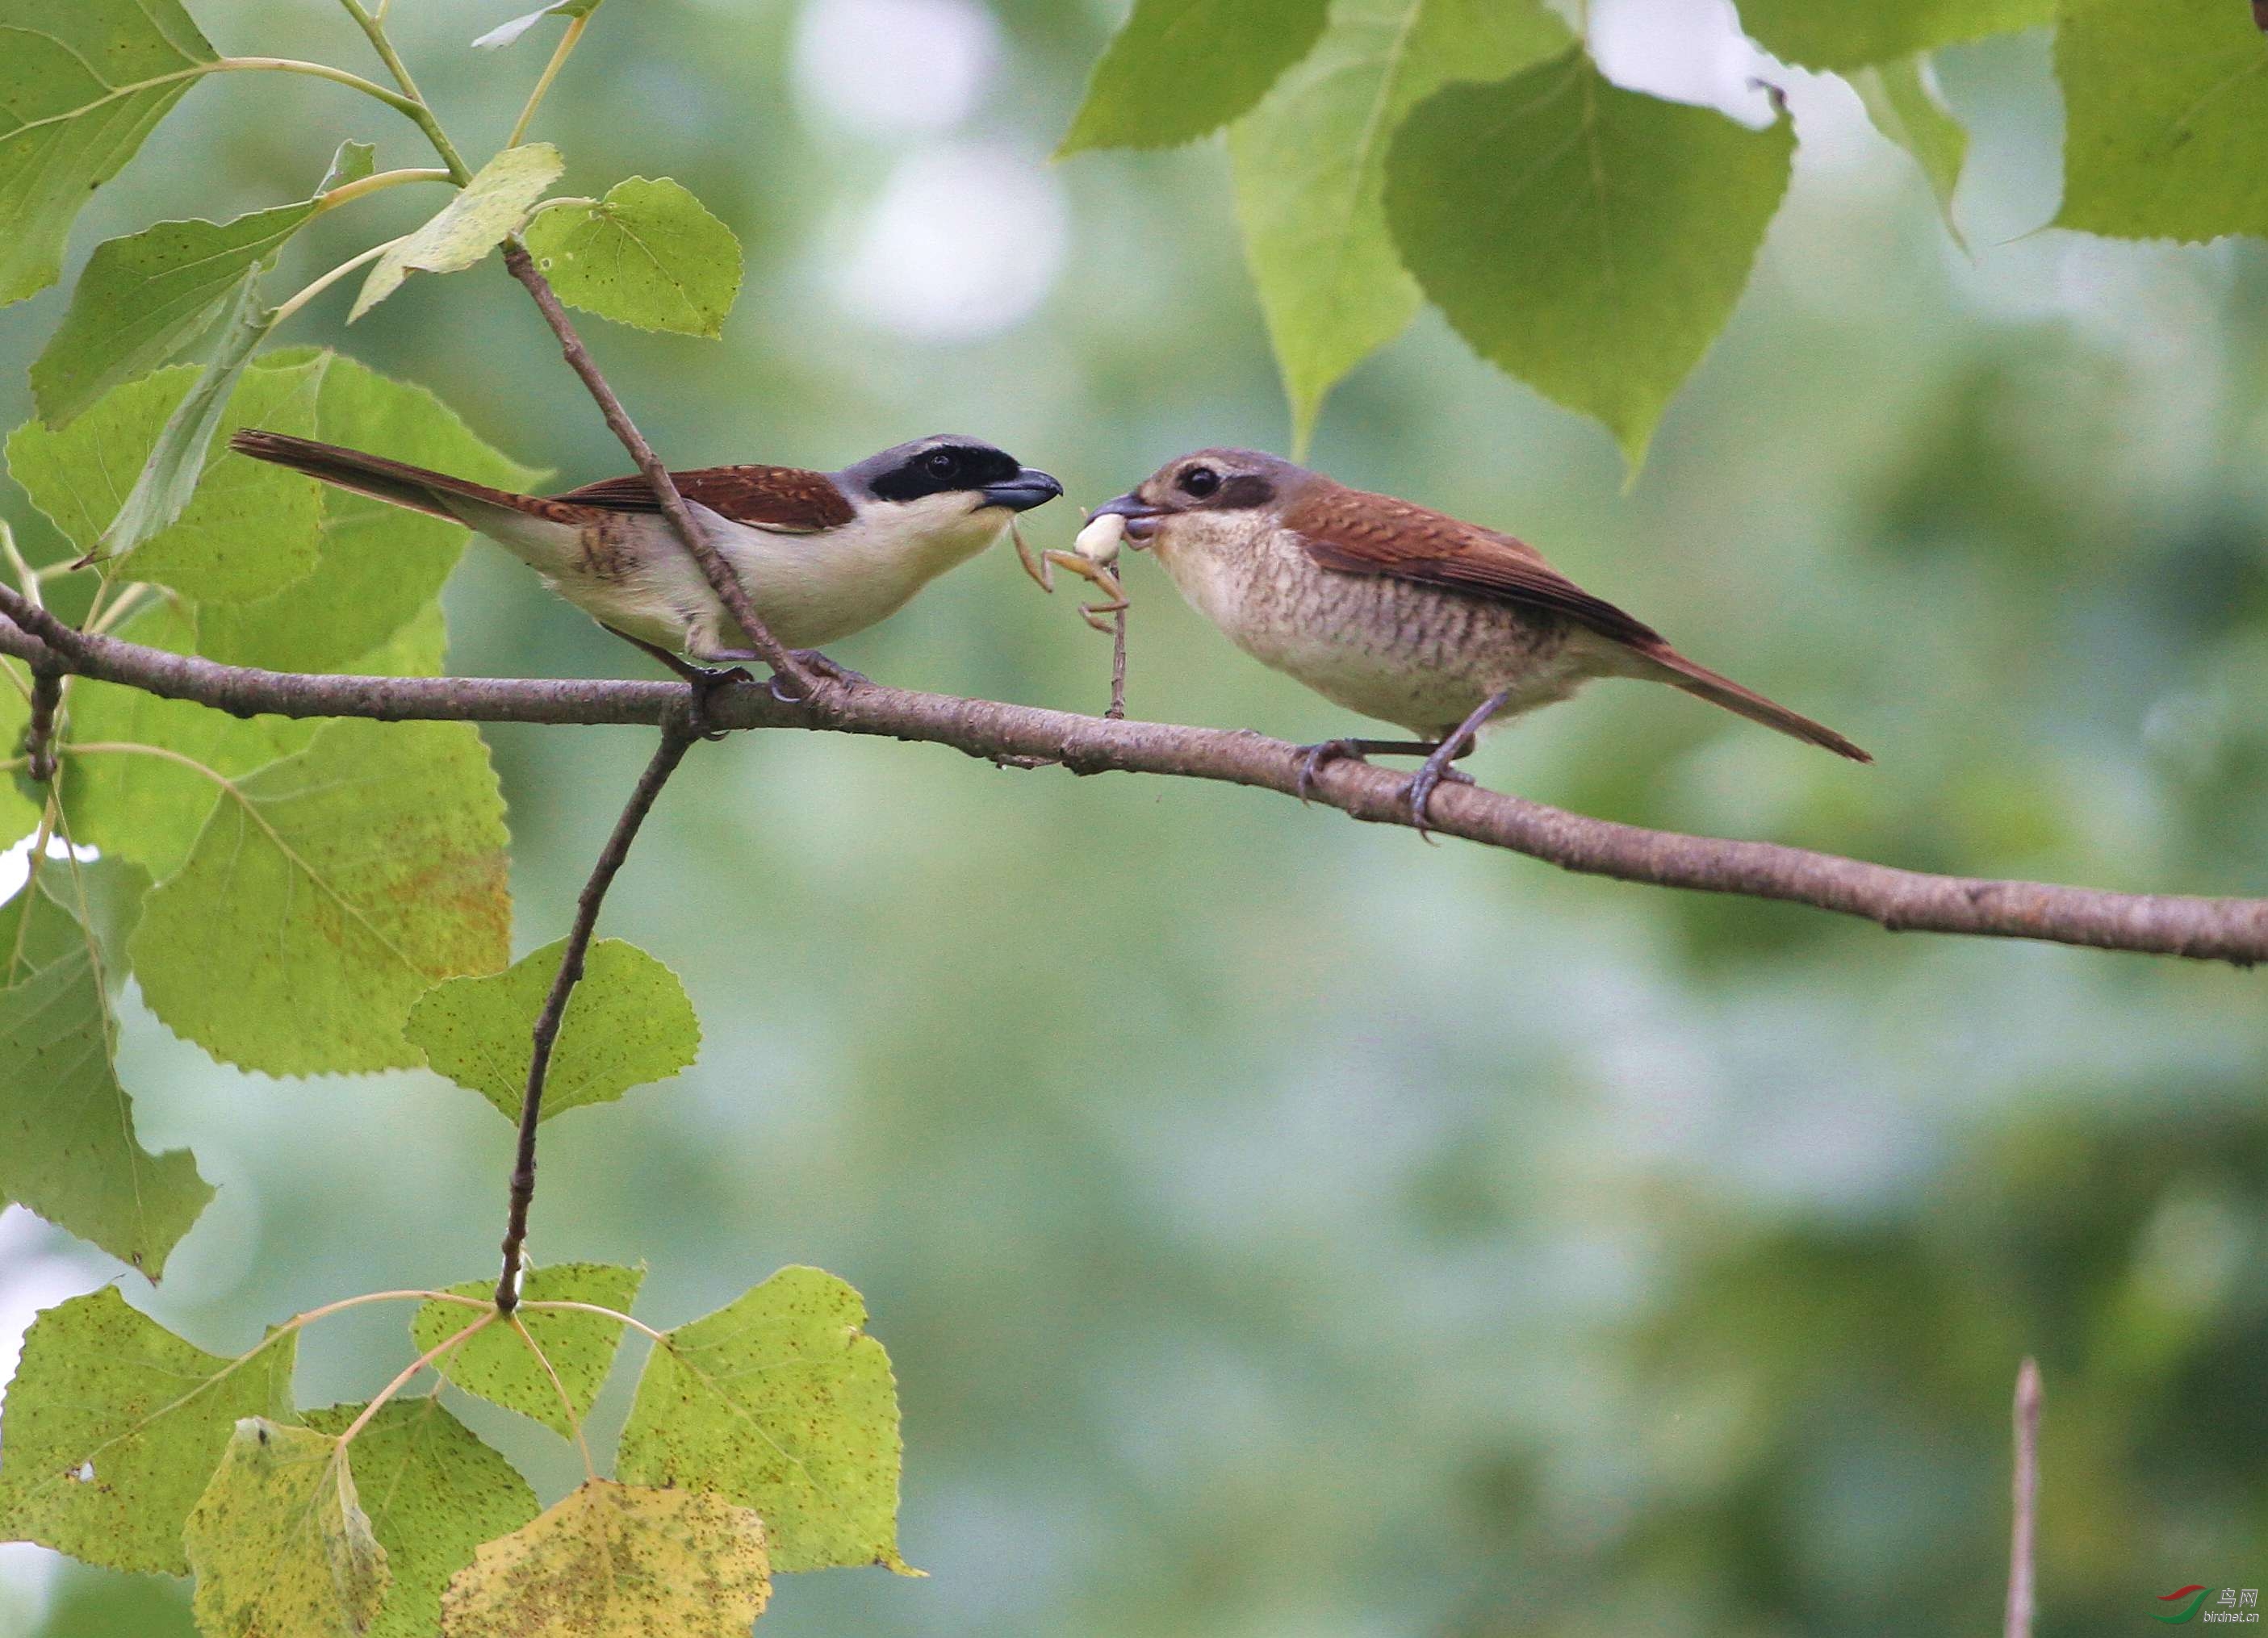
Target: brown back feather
[(786, 498)]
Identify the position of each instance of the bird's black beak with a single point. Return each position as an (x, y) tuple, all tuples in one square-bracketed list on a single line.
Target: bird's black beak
[(1139, 514), (1029, 488)]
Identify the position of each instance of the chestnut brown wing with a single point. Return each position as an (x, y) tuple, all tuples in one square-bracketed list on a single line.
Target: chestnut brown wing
[(786, 498), (1359, 533)]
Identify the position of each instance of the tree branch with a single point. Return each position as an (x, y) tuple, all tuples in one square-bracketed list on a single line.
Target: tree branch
[(2222, 929), (2024, 1494), (722, 580), (677, 737)]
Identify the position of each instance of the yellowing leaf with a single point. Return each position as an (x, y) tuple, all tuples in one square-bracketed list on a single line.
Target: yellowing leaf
[(434, 1492), (326, 894), (1182, 68), (613, 1560), (628, 1023), (81, 84), (114, 1424), (648, 254), (1590, 240), (498, 1365), (1311, 173), (486, 210), (2165, 119), (279, 1543), (781, 1402)]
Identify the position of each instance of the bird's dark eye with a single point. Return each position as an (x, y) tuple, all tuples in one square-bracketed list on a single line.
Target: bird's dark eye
[(1200, 481), (942, 463)]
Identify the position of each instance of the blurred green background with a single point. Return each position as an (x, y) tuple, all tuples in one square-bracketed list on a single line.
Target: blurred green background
[(1280, 1226)]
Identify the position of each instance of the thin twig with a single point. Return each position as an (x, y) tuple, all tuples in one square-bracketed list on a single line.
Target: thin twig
[(39, 735), (1117, 712), (722, 580), (2026, 1489), (2218, 929), (677, 737)]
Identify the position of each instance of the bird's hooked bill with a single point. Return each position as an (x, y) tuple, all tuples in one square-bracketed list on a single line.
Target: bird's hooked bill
[(1029, 488), (1140, 517)]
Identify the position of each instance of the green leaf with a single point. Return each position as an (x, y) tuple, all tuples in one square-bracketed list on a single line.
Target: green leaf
[(498, 1365), (2166, 119), (434, 1492), (1590, 240), (19, 813), (1311, 173), (783, 1403), (114, 1424), (67, 1149), (81, 84), (611, 1561), (485, 211), (1182, 68), (505, 34), (251, 528), (279, 1543), (1850, 33), (151, 809), (380, 566), (648, 254), (628, 1023), (1899, 99), (144, 299), (329, 892)]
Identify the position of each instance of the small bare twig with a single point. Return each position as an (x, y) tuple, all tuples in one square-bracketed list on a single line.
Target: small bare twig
[(677, 737), (722, 580), (2026, 1491)]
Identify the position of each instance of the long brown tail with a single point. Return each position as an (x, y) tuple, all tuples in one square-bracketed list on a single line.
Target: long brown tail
[(1704, 684), (394, 481)]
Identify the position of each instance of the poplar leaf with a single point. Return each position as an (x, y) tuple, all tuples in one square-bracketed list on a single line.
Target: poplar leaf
[(279, 1543), (482, 214), (331, 891), (628, 1023), (1850, 33), (1311, 173), (251, 527), (2165, 120), (1590, 240), (20, 810), (1182, 68), (143, 299), (649, 254), (781, 1402), (497, 1364), (505, 33), (613, 1560), (81, 84), (1900, 101), (113, 1425), (433, 1492), (379, 567), (68, 1148)]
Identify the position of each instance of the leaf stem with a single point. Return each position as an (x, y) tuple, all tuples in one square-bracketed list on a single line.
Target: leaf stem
[(677, 737), (294, 303), (346, 192), (432, 1356), (322, 70), (412, 102), (575, 26), (26, 577), (593, 1308), (566, 1402)]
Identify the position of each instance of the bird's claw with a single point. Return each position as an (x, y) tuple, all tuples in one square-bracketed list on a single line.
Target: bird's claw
[(1419, 792), (820, 665), (1317, 757), (704, 684)]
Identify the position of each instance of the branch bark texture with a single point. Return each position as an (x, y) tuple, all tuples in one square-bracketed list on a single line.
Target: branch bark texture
[(2223, 929)]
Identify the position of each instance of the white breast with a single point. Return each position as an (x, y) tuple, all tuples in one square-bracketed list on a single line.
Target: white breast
[(813, 590)]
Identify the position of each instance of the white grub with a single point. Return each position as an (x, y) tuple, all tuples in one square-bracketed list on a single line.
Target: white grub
[(1099, 540)]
